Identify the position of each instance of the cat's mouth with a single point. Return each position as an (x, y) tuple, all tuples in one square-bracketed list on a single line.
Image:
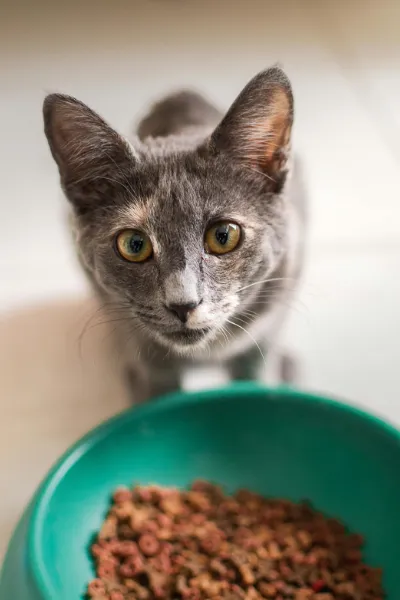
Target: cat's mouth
[(187, 337)]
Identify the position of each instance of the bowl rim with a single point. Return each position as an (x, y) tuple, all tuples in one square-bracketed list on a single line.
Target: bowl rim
[(36, 561)]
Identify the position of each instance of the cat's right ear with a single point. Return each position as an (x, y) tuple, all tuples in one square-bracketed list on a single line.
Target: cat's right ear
[(86, 149)]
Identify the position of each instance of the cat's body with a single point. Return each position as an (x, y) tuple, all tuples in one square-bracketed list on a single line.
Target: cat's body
[(186, 304)]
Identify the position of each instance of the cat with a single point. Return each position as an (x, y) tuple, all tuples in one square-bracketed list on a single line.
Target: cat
[(191, 233)]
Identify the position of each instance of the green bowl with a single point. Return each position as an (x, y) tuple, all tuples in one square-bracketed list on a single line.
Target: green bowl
[(276, 442)]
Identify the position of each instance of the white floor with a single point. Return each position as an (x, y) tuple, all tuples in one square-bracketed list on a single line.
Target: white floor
[(344, 60)]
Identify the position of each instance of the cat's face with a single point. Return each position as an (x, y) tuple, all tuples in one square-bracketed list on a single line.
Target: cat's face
[(179, 254), (176, 240)]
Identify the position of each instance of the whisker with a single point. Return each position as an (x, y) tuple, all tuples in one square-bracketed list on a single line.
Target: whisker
[(303, 309), (249, 313), (247, 321), (250, 336), (247, 168), (267, 280), (108, 308), (262, 298), (227, 336)]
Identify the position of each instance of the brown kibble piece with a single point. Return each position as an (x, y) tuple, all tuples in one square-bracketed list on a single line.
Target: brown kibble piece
[(117, 595), (304, 594), (126, 548), (211, 543), (109, 528), (149, 544), (122, 495), (199, 544), (107, 570), (268, 590), (96, 588)]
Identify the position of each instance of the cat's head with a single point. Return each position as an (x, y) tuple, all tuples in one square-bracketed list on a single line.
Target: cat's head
[(176, 237)]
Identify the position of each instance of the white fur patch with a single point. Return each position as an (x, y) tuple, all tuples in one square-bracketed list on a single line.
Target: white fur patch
[(181, 287), (199, 318), (132, 148)]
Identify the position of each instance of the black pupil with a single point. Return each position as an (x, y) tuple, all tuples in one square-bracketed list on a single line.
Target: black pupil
[(136, 243), (222, 234)]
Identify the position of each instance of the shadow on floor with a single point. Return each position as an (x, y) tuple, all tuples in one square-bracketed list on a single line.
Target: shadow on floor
[(54, 386)]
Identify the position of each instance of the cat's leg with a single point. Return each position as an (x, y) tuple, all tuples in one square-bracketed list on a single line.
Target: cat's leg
[(273, 367), (164, 381), (147, 383), (290, 369), (137, 385), (248, 366)]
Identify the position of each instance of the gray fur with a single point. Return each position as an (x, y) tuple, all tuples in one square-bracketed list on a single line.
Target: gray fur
[(183, 172), (178, 113)]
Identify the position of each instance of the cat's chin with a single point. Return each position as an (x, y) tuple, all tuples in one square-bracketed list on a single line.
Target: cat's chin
[(186, 340)]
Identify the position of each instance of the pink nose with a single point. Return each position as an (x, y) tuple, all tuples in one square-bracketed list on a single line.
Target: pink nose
[(182, 310)]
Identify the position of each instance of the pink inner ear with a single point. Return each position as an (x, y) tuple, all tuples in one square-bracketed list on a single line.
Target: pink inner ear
[(66, 122), (270, 134), (83, 142), (59, 129)]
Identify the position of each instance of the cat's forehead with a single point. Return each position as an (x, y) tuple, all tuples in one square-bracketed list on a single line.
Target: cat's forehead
[(180, 195), (167, 193), (165, 212), (170, 175), (187, 185)]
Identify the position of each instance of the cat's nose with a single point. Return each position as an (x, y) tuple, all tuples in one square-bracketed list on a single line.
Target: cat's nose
[(182, 311)]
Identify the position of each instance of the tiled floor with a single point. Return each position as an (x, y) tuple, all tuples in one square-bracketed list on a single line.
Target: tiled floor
[(344, 60)]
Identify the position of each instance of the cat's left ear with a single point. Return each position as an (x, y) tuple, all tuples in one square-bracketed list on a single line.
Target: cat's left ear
[(256, 131)]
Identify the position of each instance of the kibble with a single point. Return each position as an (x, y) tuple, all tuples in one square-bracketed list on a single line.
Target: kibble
[(200, 544)]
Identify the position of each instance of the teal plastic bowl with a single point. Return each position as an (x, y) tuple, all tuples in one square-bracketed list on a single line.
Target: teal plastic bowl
[(277, 442)]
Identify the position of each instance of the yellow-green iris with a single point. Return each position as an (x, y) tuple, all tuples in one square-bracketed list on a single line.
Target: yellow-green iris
[(222, 237), (134, 245)]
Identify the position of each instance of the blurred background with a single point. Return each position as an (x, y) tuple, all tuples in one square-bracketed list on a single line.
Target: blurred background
[(344, 61)]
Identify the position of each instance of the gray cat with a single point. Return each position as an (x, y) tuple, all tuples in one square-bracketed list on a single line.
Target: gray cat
[(192, 233)]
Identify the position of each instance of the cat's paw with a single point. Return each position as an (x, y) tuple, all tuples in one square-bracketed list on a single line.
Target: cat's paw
[(290, 369)]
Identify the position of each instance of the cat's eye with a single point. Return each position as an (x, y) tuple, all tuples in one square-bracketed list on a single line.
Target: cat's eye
[(222, 237), (134, 245)]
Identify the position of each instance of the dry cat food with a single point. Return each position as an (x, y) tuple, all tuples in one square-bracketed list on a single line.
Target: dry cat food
[(202, 544)]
